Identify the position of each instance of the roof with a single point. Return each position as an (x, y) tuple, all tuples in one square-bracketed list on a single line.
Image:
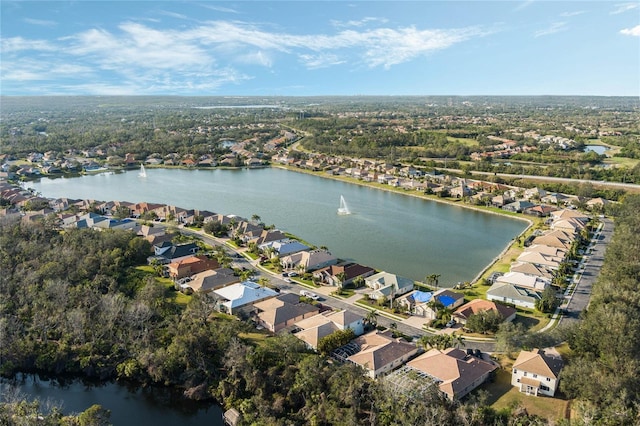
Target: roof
[(379, 351), (448, 297), (510, 291), (531, 269), (285, 312), (539, 362), (521, 279), (211, 280), (244, 293), (313, 335), (344, 318), (453, 368), (477, 305)]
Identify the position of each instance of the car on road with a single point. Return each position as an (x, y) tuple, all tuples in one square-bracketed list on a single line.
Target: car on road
[(287, 280), (309, 294), (293, 274), (284, 274)]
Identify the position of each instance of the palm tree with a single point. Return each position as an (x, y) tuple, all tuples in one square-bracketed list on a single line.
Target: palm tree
[(433, 280), (372, 318), (255, 219), (341, 276)]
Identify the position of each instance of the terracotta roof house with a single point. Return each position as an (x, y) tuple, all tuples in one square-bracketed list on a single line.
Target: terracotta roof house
[(536, 372), (240, 297), (385, 284), (380, 353), (473, 307), (191, 265), (282, 311), (548, 250), (541, 210), (456, 373)]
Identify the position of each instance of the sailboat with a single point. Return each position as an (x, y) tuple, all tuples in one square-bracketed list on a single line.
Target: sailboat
[(143, 172), (343, 209)]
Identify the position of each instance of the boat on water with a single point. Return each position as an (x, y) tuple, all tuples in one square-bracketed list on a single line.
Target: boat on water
[(343, 209), (143, 172)]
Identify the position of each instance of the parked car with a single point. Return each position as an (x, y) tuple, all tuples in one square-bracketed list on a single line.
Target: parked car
[(293, 274), (451, 323), (309, 294)]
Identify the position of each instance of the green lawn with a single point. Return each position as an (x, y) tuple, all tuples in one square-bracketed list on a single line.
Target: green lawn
[(504, 396), (464, 141)]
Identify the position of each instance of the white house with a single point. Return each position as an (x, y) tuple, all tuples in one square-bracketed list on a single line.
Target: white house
[(241, 296), (385, 284), (536, 372)]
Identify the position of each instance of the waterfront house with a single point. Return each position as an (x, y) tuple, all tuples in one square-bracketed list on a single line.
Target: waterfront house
[(558, 238), (531, 269), (167, 252), (456, 372), (380, 353), (285, 247), (421, 303), (513, 294), (540, 259), (518, 206), (308, 261), (342, 275), (536, 372), (385, 284)]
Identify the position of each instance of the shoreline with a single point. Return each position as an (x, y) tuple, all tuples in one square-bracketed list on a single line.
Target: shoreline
[(496, 259)]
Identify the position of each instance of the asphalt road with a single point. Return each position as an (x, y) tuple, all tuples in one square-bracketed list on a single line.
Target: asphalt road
[(582, 292)]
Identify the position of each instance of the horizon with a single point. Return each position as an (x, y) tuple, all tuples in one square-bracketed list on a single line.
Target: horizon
[(320, 48)]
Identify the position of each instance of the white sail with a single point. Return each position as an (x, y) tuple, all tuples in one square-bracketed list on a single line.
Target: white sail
[(143, 172), (343, 209)]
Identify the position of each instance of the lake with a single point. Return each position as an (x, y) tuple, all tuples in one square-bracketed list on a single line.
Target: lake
[(157, 406), (401, 234), (598, 149)]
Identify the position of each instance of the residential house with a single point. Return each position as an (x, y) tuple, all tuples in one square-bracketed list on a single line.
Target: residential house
[(167, 252), (268, 236), (456, 372), (540, 259), (283, 311), (558, 239), (239, 298), (570, 214), (380, 353), (308, 260), (385, 284), (518, 206), (541, 210), (462, 314), (285, 247), (312, 329), (531, 269), (514, 294), (191, 265), (597, 204), (536, 372), (209, 280), (342, 275), (420, 302)]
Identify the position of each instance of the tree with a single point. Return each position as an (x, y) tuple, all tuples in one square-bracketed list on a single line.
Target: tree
[(485, 321), (333, 341), (548, 301), (255, 219), (372, 318), (122, 212), (432, 280), (341, 276)]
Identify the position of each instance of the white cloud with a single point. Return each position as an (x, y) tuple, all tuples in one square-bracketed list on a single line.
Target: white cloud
[(17, 44), (218, 8), (570, 14), (523, 5), (40, 22), (556, 27), (624, 7), (144, 60), (635, 31), (173, 14), (320, 61), (358, 23)]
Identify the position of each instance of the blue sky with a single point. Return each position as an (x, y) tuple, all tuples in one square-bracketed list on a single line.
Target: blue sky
[(301, 48)]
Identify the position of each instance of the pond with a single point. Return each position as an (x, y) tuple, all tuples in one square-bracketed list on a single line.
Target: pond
[(598, 149), (401, 234), (128, 406)]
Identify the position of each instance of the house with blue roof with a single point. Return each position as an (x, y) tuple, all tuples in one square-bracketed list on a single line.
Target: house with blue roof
[(426, 303)]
